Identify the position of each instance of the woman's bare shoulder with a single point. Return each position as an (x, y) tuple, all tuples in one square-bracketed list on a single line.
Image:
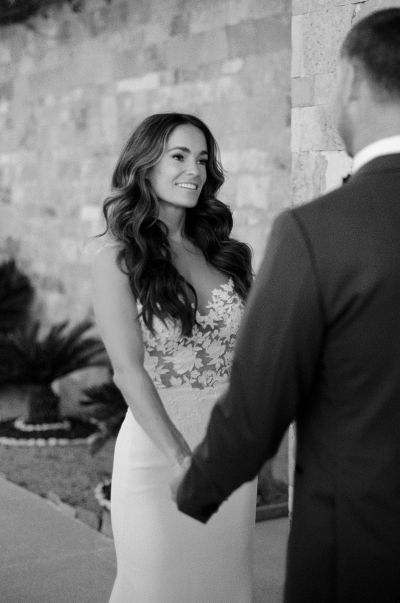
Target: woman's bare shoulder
[(101, 249)]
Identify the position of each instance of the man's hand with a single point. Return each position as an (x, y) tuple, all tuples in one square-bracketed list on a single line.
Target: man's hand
[(179, 469)]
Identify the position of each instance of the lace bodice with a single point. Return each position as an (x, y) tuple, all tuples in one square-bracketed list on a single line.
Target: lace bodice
[(202, 359)]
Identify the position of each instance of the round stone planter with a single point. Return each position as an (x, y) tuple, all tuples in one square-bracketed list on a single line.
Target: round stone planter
[(67, 432)]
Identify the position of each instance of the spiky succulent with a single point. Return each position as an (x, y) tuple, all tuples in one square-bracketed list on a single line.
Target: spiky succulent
[(26, 357), (16, 294)]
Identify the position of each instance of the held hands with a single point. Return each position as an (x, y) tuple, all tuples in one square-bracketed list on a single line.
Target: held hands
[(179, 469)]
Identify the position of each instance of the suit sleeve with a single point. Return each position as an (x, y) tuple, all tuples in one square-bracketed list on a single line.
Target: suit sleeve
[(273, 371)]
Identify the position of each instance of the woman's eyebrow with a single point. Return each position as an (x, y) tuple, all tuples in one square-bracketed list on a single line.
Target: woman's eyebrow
[(186, 150)]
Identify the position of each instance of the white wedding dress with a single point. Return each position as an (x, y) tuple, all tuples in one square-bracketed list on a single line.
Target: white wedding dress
[(164, 556)]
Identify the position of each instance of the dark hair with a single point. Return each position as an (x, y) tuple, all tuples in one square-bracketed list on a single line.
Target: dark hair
[(375, 42), (131, 214)]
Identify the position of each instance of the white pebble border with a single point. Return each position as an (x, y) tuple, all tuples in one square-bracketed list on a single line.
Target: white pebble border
[(22, 426), (48, 441), (54, 441), (98, 494)]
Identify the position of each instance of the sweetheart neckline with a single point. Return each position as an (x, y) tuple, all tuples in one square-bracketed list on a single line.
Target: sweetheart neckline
[(227, 285)]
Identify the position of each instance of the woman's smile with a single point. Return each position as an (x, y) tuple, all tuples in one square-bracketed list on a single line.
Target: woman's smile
[(183, 166)]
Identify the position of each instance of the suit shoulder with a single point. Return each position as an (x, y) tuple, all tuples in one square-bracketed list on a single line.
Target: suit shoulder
[(343, 201), (325, 202)]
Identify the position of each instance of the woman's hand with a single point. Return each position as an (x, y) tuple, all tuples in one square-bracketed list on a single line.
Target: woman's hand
[(179, 469)]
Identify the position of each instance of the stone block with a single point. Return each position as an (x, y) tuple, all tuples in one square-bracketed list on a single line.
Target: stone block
[(43, 82), (246, 160), (252, 191), (298, 25), (70, 250), (5, 53), (300, 7), (325, 88), (302, 177), (177, 53), (109, 117), (370, 6), (150, 81), (211, 46), (179, 25), (155, 32), (105, 17), (315, 173), (273, 33), (268, 77), (259, 36), (316, 5), (253, 228), (232, 66), (302, 91), (139, 61), (29, 171), (338, 164), (260, 8), (208, 14), (7, 72), (90, 64), (227, 88), (6, 91), (242, 38), (90, 213), (323, 32), (313, 129), (139, 12)]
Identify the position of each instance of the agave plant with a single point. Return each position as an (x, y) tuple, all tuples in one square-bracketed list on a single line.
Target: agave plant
[(16, 294), (107, 405), (26, 358)]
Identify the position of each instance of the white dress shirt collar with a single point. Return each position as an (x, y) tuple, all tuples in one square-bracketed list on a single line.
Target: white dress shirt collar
[(385, 146)]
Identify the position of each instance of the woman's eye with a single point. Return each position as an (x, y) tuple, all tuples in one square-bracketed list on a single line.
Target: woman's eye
[(178, 156), (203, 161)]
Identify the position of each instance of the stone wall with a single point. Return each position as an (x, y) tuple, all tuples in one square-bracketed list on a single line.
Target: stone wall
[(74, 85), (318, 28)]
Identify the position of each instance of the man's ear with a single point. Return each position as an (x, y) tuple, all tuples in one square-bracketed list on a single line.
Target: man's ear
[(355, 80)]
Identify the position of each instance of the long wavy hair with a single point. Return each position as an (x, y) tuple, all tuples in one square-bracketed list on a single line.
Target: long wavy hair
[(131, 213)]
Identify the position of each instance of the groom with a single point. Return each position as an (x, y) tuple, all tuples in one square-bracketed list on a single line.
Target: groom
[(320, 344)]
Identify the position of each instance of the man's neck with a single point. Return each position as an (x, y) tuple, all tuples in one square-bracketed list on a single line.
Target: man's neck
[(384, 146)]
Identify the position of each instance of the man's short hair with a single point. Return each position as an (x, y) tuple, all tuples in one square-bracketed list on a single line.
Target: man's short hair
[(375, 42)]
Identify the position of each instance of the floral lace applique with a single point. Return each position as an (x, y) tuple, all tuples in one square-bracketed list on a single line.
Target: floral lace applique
[(203, 358)]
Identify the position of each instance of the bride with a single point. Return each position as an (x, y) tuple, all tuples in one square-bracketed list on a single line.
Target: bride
[(169, 286)]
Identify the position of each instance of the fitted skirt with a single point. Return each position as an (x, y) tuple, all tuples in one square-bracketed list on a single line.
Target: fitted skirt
[(164, 556)]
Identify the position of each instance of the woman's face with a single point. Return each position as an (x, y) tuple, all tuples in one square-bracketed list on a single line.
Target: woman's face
[(180, 174)]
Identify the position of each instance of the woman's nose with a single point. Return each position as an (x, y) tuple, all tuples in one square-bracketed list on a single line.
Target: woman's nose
[(192, 167)]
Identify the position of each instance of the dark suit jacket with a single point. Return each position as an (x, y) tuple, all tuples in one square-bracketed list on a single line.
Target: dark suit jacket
[(320, 344)]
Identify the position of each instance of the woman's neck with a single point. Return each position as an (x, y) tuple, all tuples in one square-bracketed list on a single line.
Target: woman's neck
[(174, 219)]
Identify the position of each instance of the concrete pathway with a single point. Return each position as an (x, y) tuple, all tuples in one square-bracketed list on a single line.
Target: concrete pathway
[(49, 557)]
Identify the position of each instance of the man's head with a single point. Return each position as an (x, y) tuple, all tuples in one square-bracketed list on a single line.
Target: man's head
[(368, 97)]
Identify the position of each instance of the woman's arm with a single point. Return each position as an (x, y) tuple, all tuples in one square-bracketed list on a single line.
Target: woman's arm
[(116, 316)]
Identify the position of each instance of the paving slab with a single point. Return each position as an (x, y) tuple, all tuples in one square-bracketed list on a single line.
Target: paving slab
[(270, 545), (49, 557)]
